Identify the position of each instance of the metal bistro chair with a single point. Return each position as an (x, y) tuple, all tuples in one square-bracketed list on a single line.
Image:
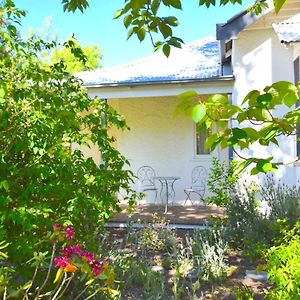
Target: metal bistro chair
[(145, 176), (199, 179)]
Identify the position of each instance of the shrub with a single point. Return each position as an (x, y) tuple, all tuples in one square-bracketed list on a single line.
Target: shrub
[(247, 228), (79, 273), (222, 182), (209, 249), (157, 236), (283, 263), (44, 113), (283, 201)]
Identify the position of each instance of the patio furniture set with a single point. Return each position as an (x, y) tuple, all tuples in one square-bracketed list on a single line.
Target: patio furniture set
[(147, 183)]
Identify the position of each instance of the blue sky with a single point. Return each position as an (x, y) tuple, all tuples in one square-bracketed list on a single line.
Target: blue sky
[(97, 27)]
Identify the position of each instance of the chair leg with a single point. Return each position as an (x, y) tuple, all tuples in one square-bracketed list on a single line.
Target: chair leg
[(155, 197), (188, 198)]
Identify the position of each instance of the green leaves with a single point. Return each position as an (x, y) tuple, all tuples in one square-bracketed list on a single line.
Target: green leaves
[(286, 91), (207, 3), (257, 122), (165, 30), (198, 112), (140, 18), (278, 5), (141, 33), (166, 50), (264, 165), (73, 5), (46, 120)]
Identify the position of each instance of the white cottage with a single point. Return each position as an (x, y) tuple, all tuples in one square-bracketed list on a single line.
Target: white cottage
[(248, 52)]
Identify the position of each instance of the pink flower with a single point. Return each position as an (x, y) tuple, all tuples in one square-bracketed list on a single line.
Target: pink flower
[(61, 261), (69, 250), (87, 256), (77, 250), (69, 230), (97, 267)]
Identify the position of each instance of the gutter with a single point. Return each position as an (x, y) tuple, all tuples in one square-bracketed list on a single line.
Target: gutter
[(149, 83)]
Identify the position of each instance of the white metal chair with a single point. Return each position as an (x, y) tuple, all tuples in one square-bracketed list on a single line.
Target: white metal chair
[(146, 182), (199, 180)]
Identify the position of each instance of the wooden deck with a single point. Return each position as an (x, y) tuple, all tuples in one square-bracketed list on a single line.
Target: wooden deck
[(192, 215)]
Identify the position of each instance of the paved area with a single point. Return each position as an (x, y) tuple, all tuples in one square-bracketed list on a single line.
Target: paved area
[(192, 215)]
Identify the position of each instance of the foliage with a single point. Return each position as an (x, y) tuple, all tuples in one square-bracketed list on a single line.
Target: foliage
[(247, 227), (46, 118), (283, 266), (254, 122), (222, 182), (243, 292), (74, 265), (157, 236), (142, 18), (283, 201), (209, 250), (71, 62)]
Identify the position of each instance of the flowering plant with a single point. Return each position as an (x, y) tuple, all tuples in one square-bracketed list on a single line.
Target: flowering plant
[(73, 262)]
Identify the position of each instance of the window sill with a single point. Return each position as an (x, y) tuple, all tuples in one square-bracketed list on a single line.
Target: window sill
[(204, 157)]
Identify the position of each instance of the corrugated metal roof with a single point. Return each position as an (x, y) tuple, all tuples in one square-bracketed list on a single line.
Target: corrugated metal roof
[(289, 30), (196, 60)]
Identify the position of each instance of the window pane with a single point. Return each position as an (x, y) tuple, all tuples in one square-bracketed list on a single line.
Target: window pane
[(201, 136)]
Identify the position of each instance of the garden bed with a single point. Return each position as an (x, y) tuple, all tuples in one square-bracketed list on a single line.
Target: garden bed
[(151, 276)]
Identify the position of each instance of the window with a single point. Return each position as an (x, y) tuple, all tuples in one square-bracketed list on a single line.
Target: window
[(201, 136)]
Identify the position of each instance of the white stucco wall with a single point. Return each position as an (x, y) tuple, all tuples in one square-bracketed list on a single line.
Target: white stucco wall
[(259, 59), (159, 140)]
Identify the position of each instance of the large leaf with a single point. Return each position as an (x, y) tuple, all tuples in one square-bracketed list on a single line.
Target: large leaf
[(251, 96), (287, 91), (264, 165), (278, 5), (188, 95), (199, 112), (166, 50), (219, 98)]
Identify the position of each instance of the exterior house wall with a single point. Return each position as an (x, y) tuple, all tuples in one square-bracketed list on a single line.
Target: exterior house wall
[(159, 140), (259, 59)]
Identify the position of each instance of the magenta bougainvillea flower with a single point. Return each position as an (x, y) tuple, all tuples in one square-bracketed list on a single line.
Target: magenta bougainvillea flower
[(97, 267), (72, 255), (61, 261), (87, 256), (69, 230), (70, 250)]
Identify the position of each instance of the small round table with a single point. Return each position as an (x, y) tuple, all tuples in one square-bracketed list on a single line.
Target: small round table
[(168, 183)]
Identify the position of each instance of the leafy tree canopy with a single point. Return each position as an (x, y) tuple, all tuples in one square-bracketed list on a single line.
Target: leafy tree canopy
[(45, 113), (74, 64), (253, 123), (142, 17)]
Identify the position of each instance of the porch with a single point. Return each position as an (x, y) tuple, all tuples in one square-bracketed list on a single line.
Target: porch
[(184, 217)]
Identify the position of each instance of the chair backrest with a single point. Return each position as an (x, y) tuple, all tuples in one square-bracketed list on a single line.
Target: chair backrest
[(199, 179), (145, 176)]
